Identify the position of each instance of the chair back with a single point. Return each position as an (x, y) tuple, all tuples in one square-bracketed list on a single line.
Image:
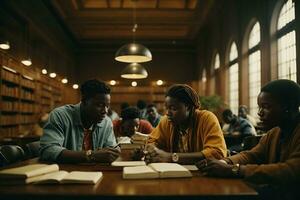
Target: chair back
[(32, 149), (10, 154)]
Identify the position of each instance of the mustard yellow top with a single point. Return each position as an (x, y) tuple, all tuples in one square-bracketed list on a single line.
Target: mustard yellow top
[(208, 137)]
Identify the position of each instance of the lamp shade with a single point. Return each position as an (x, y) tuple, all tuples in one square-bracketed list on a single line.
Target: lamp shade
[(134, 71), (133, 53)]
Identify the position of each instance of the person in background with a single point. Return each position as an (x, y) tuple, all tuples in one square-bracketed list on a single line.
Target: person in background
[(275, 161), (152, 115), (82, 132), (243, 113), (142, 106), (186, 134), (130, 123), (113, 115), (238, 127)]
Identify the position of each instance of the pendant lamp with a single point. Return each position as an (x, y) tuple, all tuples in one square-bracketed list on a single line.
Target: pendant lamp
[(133, 52), (134, 71)]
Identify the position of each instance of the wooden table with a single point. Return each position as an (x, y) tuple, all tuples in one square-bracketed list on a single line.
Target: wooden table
[(112, 186)]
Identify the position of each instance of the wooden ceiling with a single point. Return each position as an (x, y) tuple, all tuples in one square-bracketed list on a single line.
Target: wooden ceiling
[(112, 20)]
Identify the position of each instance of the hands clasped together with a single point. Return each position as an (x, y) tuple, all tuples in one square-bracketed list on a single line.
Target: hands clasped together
[(213, 167), (154, 154)]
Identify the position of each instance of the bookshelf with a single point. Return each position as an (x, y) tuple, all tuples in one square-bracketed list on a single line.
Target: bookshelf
[(25, 95)]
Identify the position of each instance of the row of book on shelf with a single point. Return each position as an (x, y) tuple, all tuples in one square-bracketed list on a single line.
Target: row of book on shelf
[(50, 173)]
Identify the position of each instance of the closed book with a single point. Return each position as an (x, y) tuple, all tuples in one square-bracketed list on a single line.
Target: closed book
[(156, 170), (27, 171)]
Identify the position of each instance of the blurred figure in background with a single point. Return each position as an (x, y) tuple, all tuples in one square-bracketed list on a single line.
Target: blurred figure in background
[(142, 106), (152, 115), (130, 123), (238, 127), (243, 113)]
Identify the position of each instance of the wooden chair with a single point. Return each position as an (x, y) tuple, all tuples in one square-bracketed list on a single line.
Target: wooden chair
[(10, 154)]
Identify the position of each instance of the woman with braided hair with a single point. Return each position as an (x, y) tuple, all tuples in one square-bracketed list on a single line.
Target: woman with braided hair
[(186, 134)]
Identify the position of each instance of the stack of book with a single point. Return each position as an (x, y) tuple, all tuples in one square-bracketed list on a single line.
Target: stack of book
[(43, 174), (138, 140)]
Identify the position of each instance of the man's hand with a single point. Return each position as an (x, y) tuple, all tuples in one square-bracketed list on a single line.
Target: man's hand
[(154, 154), (213, 167), (106, 155)]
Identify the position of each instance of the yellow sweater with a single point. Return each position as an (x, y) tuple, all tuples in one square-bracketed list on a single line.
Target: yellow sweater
[(210, 140), (262, 164)]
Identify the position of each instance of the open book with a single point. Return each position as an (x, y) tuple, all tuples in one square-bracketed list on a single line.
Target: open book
[(27, 171), (156, 170), (67, 177)]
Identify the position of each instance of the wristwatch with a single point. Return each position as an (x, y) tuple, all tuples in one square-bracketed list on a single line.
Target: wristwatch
[(89, 156), (236, 169), (175, 157)]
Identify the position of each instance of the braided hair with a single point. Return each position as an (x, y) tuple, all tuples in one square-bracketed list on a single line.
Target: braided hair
[(190, 98), (184, 94)]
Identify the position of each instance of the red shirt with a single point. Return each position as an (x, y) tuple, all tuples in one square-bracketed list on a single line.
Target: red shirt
[(144, 127)]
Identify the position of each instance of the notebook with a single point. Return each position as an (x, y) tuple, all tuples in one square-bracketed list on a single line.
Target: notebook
[(156, 170)]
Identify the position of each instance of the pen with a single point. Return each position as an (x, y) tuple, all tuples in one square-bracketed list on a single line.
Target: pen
[(118, 145)]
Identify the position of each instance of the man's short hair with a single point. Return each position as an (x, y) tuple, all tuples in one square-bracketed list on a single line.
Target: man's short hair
[(130, 113), (151, 105), (92, 87), (227, 112)]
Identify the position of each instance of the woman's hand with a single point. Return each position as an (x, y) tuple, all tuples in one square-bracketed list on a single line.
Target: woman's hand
[(212, 167), (154, 154)]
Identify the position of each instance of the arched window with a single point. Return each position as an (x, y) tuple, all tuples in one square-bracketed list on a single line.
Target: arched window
[(217, 62), (233, 79), (254, 68), (286, 42)]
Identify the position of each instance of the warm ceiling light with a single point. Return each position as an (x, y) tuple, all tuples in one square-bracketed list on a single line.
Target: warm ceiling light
[(4, 45), (159, 82), (133, 83), (64, 80), (52, 75), (26, 62), (134, 71), (133, 53), (75, 86), (44, 71), (112, 82)]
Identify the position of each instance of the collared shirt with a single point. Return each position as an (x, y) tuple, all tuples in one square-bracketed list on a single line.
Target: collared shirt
[(64, 130), (154, 122)]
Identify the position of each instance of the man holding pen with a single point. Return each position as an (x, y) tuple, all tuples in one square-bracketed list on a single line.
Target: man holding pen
[(82, 132)]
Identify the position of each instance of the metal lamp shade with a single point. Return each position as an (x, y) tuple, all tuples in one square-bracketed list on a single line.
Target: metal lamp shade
[(134, 71), (133, 53)]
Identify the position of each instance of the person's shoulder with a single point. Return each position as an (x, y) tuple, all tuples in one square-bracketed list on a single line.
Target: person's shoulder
[(145, 122), (106, 122), (205, 114)]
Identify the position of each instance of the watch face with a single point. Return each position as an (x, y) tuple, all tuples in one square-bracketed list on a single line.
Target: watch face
[(175, 157)]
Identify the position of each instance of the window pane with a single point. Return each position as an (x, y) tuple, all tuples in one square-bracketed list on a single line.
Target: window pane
[(287, 57), (254, 81), (234, 87), (254, 37), (204, 75), (217, 62), (233, 52), (287, 14)]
